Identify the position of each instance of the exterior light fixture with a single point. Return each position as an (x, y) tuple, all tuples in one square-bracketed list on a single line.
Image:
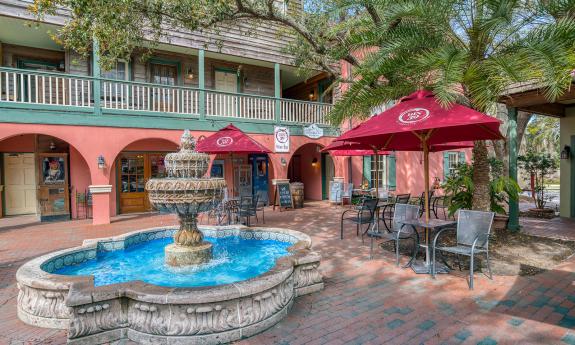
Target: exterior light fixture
[(191, 73), (314, 162), (101, 162), (566, 152), (52, 145), (311, 95)]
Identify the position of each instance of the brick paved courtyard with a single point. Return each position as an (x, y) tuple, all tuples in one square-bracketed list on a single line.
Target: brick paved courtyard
[(364, 302)]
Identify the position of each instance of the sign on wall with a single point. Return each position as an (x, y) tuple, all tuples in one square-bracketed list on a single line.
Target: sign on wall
[(281, 139), (313, 131)]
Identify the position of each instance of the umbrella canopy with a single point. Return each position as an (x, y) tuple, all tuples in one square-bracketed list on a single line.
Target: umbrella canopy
[(419, 121), (346, 148), (401, 127), (230, 139)]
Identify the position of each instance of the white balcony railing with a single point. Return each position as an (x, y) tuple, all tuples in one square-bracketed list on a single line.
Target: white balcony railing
[(304, 112), (47, 89)]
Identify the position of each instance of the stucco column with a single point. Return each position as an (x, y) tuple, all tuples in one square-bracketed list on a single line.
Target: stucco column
[(100, 203), (1, 205), (512, 139)]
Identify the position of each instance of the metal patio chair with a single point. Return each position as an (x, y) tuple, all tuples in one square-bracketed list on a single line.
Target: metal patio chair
[(347, 193), (362, 214), (421, 202), (247, 208), (387, 210), (441, 203), (473, 230), (398, 231)]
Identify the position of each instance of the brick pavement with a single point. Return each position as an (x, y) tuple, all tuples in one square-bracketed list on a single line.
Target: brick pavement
[(364, 301)]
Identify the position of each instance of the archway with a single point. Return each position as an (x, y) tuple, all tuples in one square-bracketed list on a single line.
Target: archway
[(43, 175), (313, 168), (132, 167)]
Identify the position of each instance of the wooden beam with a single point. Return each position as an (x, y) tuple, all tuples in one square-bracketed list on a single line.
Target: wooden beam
[(549, 109), (533, 97)]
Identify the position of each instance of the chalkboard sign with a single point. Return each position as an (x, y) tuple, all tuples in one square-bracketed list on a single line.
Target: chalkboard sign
[(283, 195), (335, 191)]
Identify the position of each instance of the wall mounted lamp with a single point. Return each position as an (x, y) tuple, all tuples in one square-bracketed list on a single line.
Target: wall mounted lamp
[(190, 73), (566, 152), (101, 162), (314, 162), (52, 145)]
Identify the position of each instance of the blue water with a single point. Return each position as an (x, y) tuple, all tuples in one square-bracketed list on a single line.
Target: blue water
[(234, 259)]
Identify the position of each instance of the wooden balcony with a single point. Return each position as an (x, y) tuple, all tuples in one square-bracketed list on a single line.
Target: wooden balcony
[(71, 93)]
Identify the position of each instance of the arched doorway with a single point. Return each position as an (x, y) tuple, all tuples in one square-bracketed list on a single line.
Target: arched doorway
[(45, 176), (314, 169), (133, 167)]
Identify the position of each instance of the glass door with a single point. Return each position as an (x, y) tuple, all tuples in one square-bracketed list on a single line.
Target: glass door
[(260, 176), (132, 183)]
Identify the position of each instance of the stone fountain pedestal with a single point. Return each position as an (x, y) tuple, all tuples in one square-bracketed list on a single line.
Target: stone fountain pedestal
[(177, 255)]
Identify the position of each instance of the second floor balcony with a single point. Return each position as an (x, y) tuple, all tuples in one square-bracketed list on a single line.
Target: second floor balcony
[(57, 91)]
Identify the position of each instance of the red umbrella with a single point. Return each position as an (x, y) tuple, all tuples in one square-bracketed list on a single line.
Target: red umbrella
[(418, 120), (230, 139)]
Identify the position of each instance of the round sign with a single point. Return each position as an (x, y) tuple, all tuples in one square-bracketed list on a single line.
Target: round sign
[(282, 136), (413, 115), (224, 141)]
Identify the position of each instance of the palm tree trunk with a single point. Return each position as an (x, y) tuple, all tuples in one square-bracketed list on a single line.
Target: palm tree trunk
[(481, 199)]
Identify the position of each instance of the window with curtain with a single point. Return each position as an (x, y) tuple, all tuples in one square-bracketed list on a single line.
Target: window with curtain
[(119, 72)]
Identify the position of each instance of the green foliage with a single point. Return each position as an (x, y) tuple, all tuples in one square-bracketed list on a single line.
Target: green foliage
[(542, 134), (459, 188), (538, 165)]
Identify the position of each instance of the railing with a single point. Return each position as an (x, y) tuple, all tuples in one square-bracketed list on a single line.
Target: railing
[(49, 88), (44, 88), (240, 106), (304, 112)]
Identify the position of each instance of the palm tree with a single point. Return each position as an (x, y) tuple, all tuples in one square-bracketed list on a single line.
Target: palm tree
[(465, 51)]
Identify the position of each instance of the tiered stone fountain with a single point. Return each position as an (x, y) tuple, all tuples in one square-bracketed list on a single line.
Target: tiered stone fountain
[(186, 193)]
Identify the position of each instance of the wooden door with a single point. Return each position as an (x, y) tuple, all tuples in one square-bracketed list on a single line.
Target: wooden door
[(135, 169), (20, 183), (227, 82), (243, 180)]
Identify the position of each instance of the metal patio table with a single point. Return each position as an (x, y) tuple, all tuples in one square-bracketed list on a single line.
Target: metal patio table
[(424, 267)]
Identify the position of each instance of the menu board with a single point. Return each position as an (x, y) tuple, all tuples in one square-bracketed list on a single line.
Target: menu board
[(283, 192), (335, 191)]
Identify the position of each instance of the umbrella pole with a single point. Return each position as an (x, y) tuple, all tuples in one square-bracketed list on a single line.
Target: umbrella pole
[(426, 178), (233, 175), (376, 175)]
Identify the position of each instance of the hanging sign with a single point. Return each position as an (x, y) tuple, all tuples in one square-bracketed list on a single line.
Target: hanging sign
[(313, 131), (281, 139)]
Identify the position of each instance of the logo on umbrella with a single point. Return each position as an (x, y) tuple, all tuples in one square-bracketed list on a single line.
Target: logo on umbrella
[(224, 141), (413, 115)]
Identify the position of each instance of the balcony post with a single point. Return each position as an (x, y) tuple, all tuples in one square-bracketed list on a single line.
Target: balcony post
[(96, 74), (277, 92), (202, 84)]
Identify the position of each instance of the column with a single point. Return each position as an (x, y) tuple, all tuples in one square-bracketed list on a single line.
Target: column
[(100, 203), (277, 92), (96, 74), (512, 142), (202, 83)]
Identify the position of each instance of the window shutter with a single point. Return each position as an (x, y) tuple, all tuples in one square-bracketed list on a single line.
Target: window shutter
[(461, 157), (445, 165), (391, 171), (367, 169)]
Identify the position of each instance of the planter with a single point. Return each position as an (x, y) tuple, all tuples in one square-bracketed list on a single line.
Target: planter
[(500, 222), (545, 213)]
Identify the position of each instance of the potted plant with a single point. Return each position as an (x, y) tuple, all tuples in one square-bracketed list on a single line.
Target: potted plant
[(537, 166), (458, 186)]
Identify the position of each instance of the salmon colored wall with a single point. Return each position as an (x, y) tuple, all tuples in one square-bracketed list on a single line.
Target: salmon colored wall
[(310, 175), (147, 145), (20, 143), (79, 179)]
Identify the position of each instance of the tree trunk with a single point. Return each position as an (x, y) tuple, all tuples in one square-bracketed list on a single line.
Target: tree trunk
[(481, 200)]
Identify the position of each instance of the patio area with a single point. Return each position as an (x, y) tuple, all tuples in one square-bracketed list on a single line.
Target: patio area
[(364, 301)]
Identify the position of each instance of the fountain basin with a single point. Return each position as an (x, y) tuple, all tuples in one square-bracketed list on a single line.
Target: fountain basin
[(146, 312)]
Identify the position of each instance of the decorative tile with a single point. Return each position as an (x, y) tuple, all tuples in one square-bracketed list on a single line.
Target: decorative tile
[(395, 323), (487, 341), (515, 322), (425, 325), (568, 338), (462, 334)]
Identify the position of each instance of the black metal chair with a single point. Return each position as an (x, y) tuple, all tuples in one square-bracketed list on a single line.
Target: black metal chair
[(421, 202), (473, 231), (362, 214), (398, 230), (247, 209), (441, 203)]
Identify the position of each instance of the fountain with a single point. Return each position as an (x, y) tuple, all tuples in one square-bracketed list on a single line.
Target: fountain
[(186, 193), (170, 284)]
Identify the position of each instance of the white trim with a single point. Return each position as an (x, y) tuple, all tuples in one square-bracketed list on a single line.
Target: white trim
[(100, 188)]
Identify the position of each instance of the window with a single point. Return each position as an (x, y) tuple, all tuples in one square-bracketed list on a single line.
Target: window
[(451, 160), (378, 171), (282, 6), (165, 74), (119, 72)]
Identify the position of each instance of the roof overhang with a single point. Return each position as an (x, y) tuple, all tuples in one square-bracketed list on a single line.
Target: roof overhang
[(530, 97)]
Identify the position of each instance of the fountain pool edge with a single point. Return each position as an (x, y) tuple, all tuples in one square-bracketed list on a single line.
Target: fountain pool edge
[(140, 311)]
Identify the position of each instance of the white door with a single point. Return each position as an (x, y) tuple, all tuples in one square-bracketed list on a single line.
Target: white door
[(225, 104), (20, 183)]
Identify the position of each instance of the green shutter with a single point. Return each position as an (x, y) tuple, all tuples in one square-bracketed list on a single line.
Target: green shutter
[(367, 169), (461, 157), (391, 176), (445, 165)]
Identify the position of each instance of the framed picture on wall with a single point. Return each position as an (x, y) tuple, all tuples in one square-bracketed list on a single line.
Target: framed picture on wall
[(53, 170), (217, 170)]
